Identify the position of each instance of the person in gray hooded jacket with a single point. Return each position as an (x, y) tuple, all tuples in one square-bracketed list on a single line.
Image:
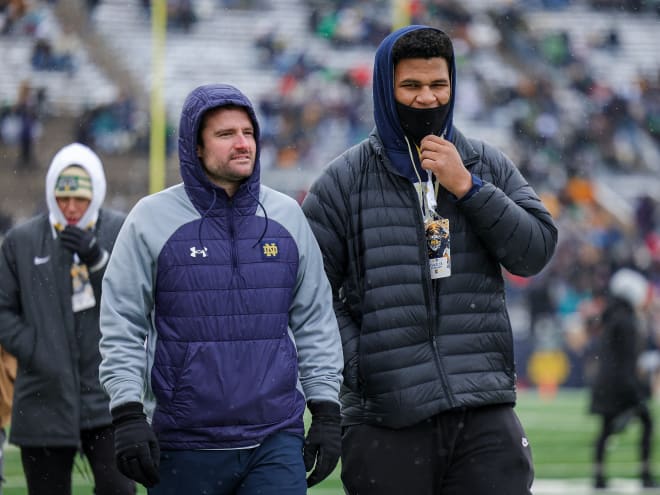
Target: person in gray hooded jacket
[(51, 267), (416, 223)]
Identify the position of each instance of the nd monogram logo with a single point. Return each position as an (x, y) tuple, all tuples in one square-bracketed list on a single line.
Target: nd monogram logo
[(270, 249)]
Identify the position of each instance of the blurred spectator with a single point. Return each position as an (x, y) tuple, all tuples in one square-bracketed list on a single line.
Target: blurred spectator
[(54, 49), (26, 115), (609, 40), (11, 11), (619, 393), (646, 215), (556, 48), (271, 45), (111, 127), (181, 14), (650, 96), (42, 54), (350, 23)]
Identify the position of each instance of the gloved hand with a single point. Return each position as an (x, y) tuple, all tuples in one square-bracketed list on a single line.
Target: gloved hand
[(323, 442), (136, 447), (82, 242)]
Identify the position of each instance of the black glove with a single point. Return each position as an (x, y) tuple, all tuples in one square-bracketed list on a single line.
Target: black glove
[(323, 442), (136, 447), (82, 242)]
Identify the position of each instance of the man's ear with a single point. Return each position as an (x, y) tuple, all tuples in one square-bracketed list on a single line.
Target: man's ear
[(199, 151)]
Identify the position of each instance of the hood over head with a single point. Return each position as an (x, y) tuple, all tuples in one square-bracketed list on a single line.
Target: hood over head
[(81, 156), (385, 109), (200, 189), (631, 286)]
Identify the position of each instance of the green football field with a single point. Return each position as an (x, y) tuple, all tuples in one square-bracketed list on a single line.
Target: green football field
[(559, 429)]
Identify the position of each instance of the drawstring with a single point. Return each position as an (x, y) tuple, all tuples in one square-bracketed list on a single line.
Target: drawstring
[(199, 229), (263, 233), (422, 196), (215, 197)]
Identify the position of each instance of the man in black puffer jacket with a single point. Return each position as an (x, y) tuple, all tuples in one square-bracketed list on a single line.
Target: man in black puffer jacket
[(415, 224)]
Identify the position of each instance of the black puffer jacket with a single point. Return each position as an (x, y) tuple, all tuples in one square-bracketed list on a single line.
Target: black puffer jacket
[(415, 347), (57, 390)]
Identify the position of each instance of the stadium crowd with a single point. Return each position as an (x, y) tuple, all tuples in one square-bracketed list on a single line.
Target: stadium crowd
[(565, 125)]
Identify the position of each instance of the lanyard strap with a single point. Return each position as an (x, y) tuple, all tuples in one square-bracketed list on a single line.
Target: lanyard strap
[(428, 192)]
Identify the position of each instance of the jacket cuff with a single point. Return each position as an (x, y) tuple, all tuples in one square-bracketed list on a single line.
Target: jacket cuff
[(324, 408), (476, 185), (129, 410), (101, 263)]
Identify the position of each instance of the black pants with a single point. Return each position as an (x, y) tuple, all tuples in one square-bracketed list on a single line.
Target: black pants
[(482, 451), (609, 427), (48, 469)]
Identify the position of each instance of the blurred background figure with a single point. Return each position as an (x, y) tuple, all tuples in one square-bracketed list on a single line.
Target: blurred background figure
[(26, 111), (51, 268), (620, 391)]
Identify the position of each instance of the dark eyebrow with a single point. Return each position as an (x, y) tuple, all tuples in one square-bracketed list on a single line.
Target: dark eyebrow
[(417, 81)]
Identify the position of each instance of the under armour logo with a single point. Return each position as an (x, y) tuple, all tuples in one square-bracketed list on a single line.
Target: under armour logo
[(194, 252), (525, 442)]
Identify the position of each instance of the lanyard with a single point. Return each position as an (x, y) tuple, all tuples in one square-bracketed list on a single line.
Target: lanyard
[(431, 194), (427, 193)]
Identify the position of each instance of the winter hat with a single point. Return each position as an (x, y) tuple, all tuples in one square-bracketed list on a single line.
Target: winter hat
[(74, 181), (631, 286)]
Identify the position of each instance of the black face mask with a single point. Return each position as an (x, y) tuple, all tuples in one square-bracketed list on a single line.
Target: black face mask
[(420, 122)]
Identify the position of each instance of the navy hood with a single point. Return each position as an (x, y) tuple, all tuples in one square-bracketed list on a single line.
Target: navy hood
[(385, 113), (201, 191)]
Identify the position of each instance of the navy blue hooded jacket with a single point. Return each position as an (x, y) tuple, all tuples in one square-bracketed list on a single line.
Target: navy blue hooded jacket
[(231, 297)]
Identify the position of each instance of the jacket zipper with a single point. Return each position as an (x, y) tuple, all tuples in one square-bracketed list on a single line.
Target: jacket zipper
[(232, 236), (431, 314)]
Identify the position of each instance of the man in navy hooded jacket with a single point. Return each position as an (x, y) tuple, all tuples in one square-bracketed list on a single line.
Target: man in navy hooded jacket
[(217, 324), (415, 224)]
